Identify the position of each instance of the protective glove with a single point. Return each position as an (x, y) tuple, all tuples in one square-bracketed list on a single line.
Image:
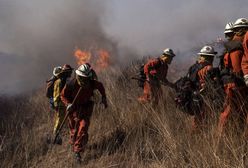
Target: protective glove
[(246, 79), (104, 102), (69, 107)]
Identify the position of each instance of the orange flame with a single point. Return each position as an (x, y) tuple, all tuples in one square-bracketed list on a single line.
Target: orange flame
[(103, 61), (98, 58), (82, 56)]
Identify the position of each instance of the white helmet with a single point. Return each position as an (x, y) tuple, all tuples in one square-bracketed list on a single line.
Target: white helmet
[(241, 22), (84, 70), (229, 28), (169, 52), (57, 70), (207, 50)]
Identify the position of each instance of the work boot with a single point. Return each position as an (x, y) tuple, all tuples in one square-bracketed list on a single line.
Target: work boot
[(78, 157)]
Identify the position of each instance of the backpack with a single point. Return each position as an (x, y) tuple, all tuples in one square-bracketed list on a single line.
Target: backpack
[(141, 76), (187, 98), (227, 76), (50, 87), (184, 94), (230, 46)]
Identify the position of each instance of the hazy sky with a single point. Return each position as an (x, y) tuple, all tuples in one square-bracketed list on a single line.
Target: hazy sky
[(36, 35), (151, 25)]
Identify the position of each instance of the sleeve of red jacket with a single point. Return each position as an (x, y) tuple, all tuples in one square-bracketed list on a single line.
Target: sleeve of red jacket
[(236, 58), (244, 64), (100, 88), (149, 67), (202, 74), (65, 95)]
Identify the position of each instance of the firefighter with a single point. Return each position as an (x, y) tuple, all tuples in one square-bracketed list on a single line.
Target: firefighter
[(81, 109), (204, 67), (59, 106), (232, 75), (50, 86), (229, 33), (156, 72), (243, 24)]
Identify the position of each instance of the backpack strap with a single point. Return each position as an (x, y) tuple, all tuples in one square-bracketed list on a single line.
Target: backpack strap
[(229, 61)]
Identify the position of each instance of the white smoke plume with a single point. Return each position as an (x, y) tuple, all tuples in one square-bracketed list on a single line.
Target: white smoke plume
[(151, 26), (37, 35)]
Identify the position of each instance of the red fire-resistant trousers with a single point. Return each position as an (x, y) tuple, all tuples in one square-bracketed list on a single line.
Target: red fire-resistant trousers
[(234, 106), (79, 121), (152, 92)]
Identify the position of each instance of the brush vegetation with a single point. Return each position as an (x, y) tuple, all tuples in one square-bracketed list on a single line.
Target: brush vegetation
[(126, 135)]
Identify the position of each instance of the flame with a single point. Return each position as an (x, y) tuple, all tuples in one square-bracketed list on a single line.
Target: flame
[(103, 60), (98, 58), (82, 56)]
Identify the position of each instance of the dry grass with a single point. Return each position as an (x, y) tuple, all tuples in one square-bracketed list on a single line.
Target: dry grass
[(127, 134)]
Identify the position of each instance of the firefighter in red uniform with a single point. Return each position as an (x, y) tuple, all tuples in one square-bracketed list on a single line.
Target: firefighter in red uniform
[(204, 66), (243, 24), (82, 108), (232, 75), (156, 72)]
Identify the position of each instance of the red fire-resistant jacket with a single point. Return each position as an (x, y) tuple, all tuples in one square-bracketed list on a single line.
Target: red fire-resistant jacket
[(202, 73), (155, 67), (232, 59), (245, 55), (70, 91)]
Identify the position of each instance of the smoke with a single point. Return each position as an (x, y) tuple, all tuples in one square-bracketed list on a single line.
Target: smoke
[(151, 26), (37, 35)]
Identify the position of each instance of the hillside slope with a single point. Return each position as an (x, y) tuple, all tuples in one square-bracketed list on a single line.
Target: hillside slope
[(127, 134)]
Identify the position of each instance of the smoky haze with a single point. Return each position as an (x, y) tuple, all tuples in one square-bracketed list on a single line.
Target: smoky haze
[(152, 25), (37, 35)]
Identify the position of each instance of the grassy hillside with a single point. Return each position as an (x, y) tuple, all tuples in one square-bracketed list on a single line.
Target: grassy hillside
[(127, 134)]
